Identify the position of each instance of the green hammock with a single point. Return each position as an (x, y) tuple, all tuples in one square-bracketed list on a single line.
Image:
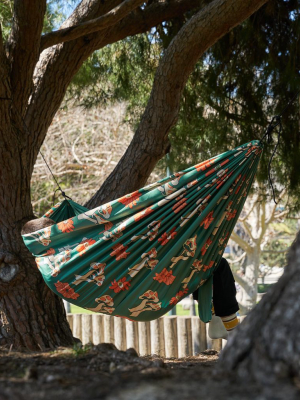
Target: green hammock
[(139, 255)]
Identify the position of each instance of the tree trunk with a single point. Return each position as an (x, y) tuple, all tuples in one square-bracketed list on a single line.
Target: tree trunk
[(247, 296), (265, 348), (31, 316)]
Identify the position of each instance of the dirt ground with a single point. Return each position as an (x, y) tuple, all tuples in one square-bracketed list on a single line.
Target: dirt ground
[(103, 372)]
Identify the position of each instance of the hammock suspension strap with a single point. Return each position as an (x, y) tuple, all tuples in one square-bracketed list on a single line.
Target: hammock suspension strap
[(56, 181)]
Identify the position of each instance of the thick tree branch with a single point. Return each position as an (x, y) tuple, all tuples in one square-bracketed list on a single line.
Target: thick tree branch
[(89, 9), (242, 282), (282, 214), (5, 92), (23, 45), (241, 242), (272, 215), (3, 67), (275, 251), (94, 25), (238, 259), (1, 44), (150, 142), (263, 224), (247, 229)]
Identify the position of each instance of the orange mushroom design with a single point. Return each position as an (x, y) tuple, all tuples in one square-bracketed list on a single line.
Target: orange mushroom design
[(105, 306), (189, 248), (150, 302), (94, 275)]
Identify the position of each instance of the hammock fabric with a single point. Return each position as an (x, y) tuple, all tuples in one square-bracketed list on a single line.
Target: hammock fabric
[(65, 210), (139, 255)]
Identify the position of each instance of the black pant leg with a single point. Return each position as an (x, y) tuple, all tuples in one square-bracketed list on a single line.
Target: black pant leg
[(224, 290)]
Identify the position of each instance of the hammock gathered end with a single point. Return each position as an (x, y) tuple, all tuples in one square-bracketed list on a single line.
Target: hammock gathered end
[(136, 257)]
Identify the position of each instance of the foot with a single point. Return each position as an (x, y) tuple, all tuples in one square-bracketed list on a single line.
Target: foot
[(216, 328)]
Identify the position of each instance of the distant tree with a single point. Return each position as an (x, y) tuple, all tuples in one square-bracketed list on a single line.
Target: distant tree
[(254, 236)]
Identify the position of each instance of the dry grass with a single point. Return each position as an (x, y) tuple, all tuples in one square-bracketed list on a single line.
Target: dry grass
[(82, 148)]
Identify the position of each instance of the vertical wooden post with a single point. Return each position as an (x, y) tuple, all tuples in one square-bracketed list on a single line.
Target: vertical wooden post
[(86, 324), (184, 336), (98, 328), (215, 344), (196, 337), (192, 306), (120, 333), (144, 338), (67, 306), (132, 335), (108, 322), (77, 326), (203, 338), (170, 333), (70, 320), (208, 339), (157, 337)]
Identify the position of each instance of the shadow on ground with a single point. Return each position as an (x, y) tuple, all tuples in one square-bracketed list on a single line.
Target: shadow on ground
[(103, 372)]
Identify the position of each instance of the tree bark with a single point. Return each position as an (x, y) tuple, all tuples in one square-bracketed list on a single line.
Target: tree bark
[(265, 348), (94, 25), (23, 48), (31, 316)]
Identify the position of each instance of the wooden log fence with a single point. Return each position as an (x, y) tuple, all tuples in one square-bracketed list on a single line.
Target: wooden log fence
[(169, 336)]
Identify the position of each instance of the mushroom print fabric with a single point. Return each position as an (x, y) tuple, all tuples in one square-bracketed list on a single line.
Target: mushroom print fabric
[(138, 256)]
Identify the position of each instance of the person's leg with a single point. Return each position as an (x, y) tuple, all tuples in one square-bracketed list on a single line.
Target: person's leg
[(216, 328), (225, 306), (224, 293)]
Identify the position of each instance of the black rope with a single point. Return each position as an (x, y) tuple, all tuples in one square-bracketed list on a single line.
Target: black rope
[(275, 122), (272, 125), (270, 129), (56, 181)]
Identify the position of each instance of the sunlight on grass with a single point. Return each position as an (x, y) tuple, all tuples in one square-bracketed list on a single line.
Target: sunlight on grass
[(180, 311)]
